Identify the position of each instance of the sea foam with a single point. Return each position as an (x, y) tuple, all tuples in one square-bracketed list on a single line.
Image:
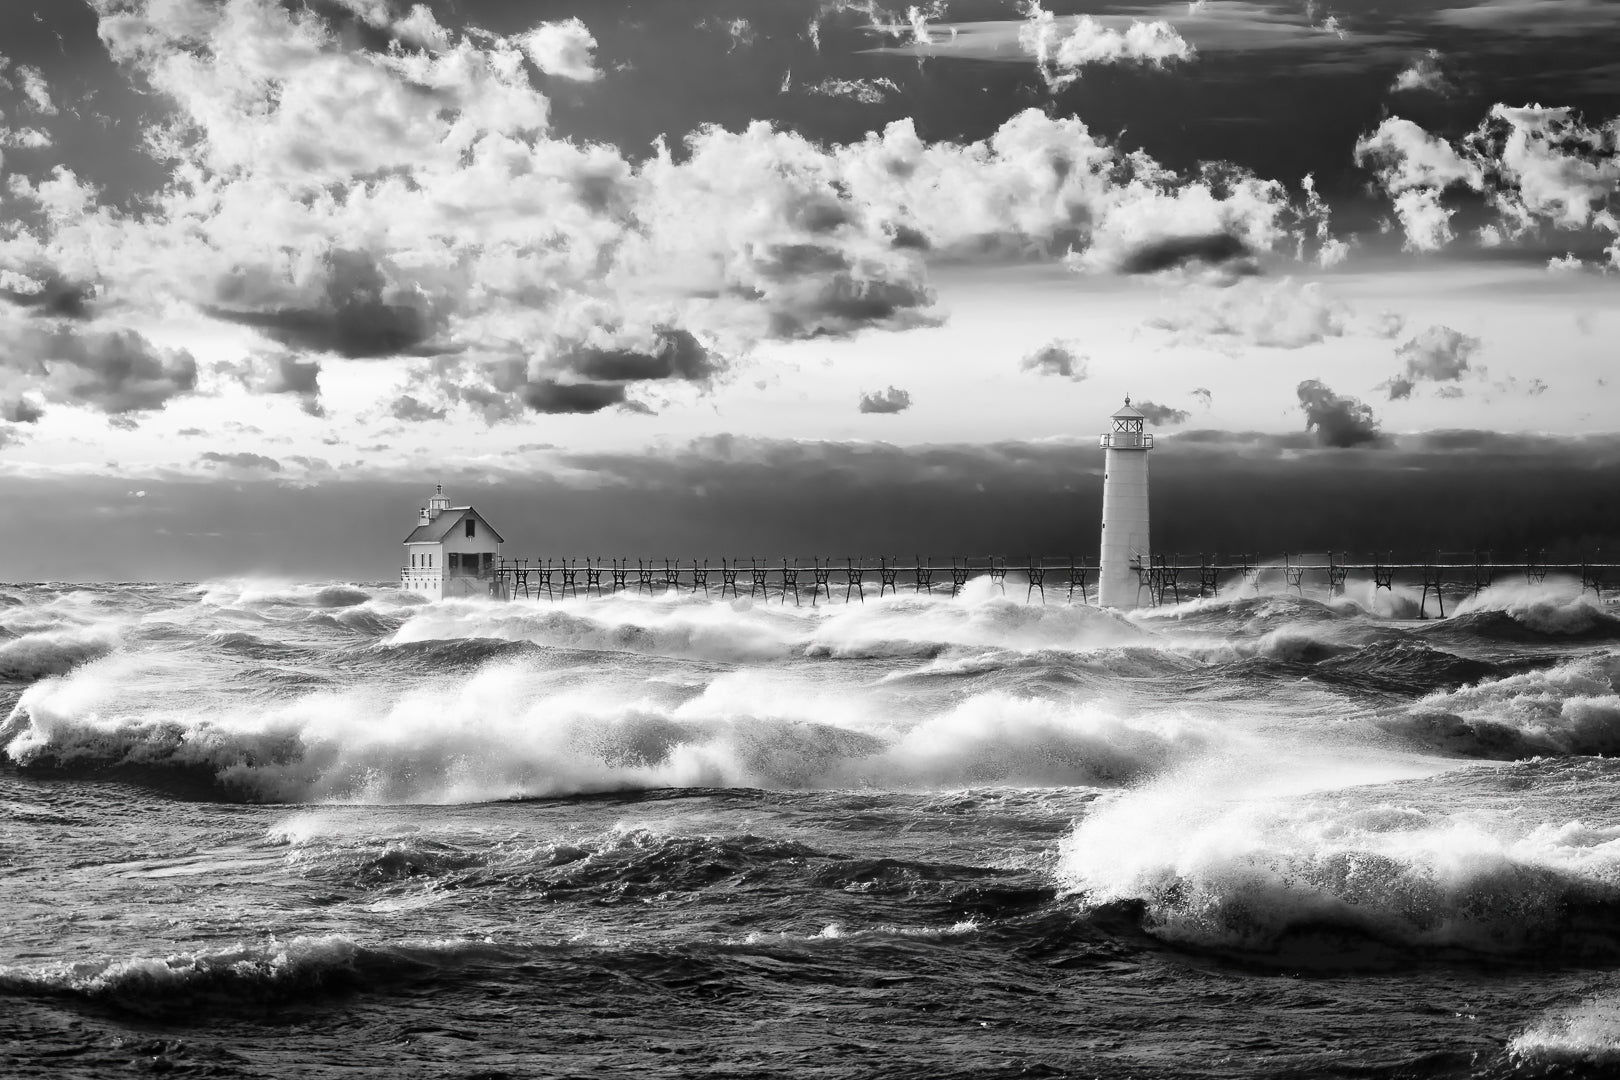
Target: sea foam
[(1219, 861)]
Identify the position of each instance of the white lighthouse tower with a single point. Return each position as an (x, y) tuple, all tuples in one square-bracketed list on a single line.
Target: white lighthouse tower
[(1125, 508)]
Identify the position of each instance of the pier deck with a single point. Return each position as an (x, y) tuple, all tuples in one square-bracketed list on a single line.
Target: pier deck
[(1161, 579)]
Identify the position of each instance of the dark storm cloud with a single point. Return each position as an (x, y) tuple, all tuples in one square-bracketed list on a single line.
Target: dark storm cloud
[(240, 460), (361, 316), (1170, 253), (51, 294), (674, 354), (113, 371), (1228, 492), (549, 396), (891, 400), (1336, 420), (20, 411), (1056, 358), (1212, 491), (817, 290)]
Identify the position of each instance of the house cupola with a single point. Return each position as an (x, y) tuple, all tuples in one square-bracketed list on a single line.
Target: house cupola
[(436, 505)]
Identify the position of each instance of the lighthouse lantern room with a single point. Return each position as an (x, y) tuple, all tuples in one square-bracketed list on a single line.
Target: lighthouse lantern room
[(451, 552), (1125, 509)]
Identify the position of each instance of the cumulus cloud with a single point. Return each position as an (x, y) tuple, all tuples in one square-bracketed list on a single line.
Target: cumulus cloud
[(1205, 398), (891, 400), (1439, 354), (1277, 315), (666, 354), (348, 307), (1217, 224), (1536, 166), (413, 411), (1162, 415), (550, 396), (26, 138), (20, 411), (1336, 421), (36, 90), (1061, 57), (284, 373), (1415, 168), (1060, 357), (353, 200), (563, 50), (1550, 167), (48, 294), (111, 371), (1423, 75)]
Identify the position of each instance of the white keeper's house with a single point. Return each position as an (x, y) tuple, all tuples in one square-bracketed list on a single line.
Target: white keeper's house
[(451, 552)]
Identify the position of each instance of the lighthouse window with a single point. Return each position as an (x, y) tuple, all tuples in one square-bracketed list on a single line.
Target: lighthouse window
[(472, 528)]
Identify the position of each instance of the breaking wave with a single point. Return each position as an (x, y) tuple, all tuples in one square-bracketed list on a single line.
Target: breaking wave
[(1297, 878), (1588, 1034), (54, 652), (246, 976), (1572, 708), (1554, 612), (508, 730), (745, 630)]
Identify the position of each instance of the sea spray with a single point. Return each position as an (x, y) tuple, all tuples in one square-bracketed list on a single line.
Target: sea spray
[(1216, 862), (508, 730)]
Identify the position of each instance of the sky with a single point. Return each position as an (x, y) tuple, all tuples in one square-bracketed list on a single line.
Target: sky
[(787, 277)]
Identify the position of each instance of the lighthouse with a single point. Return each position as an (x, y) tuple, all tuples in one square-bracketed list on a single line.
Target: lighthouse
[(1125, 508)]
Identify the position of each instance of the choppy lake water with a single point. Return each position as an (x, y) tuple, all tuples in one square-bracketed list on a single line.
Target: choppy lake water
[(264, 830)]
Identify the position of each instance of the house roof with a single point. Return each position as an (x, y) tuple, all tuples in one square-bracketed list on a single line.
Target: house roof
[(1129, 412), (436, 530)]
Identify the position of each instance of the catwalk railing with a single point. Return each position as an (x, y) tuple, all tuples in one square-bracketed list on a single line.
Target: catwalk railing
[(1160, 580)]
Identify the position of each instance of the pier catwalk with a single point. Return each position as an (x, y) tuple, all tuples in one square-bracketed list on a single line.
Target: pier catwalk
[(1160, 579)]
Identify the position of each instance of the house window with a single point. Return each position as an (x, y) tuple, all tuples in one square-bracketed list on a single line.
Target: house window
[(413, 560), (472, 528)]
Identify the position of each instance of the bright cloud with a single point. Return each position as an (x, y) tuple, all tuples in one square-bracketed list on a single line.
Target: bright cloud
[(341, 204), (564, 50), (1061, 57), (1536, 166)]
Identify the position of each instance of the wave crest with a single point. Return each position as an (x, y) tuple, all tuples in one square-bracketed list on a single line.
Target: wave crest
[(1569, 709), (1588, 1034), (508, 730), (1257, 875), (245, 976)]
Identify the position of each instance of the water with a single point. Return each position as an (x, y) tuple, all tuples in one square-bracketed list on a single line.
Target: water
[(262, 830)]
